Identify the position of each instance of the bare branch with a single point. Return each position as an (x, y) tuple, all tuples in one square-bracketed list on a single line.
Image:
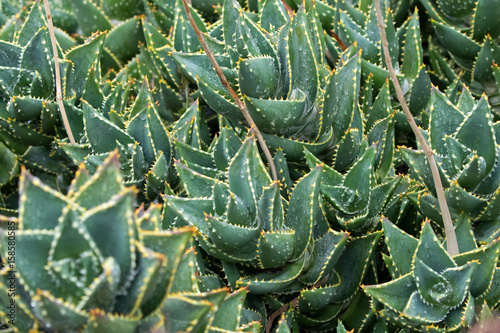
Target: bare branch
[(279, 312), (233, 94), (337, 38), (451, 238), (59, 98)]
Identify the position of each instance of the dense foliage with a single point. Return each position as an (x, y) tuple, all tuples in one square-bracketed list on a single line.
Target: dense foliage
[(164, 217)]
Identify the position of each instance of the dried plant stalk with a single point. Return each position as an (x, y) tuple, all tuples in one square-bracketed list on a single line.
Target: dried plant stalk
[(233, 94), (451, 238), (59, 98)]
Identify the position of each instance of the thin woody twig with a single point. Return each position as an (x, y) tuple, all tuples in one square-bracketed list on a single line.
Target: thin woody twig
[(337, 38), (279, 312), (451, 238), (287, 7), (233, 94), (59, 98), (293, 304)]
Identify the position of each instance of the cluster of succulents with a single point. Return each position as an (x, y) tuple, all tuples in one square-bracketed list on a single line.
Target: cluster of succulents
[(164, 215)]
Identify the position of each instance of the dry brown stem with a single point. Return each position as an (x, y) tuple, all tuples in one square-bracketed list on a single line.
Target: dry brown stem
[(233, 94), (59, 98), (451, 238)]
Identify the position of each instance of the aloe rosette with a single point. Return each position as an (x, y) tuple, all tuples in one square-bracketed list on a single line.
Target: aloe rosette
[(30, 118), (88, 262), (287, 88), (430, 290), (263, 241), (463, 137), (468, 34)]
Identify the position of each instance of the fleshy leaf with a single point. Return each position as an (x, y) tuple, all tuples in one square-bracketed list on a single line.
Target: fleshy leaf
[(301, 212), (431, 252)]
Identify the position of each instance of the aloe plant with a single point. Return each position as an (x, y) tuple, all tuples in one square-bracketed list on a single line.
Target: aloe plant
[(464, 139), (472, 26), (81, 279), (240, 215), (164, 216), (431, 290)]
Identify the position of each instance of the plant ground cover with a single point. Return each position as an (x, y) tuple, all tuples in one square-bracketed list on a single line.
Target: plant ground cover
[(135, 197)]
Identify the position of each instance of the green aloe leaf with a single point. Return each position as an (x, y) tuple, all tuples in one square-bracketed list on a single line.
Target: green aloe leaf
[(263, 283), (485, 16), (294, 149), (196, 184), (101, 322), (489, 55), (462, 317), (270, 208), (327, 251), (184, 37), (316, 304), (183, 311), (273, 15), (227, 145), (171, 244), (90, 17), (487, 256), (353, 33), (357, 182), (184, 280), (353, 264), (394, 294), (461, 200), (445, 120), (448, 289), (196, 159), (275, 248), (301, 212), (431, 251), (242, 36), (102, 186), (34, 21), (347, 149), (123, 40), (121, 10), (228, 314), (228, 236), (458, 44), (71, 240), (413, 52), (191, 210), (58, 314), (150, 272), (418, 309), (381, 106), (401, 246), (477, 133), (83, 58), (102, 291), (102, 133), (24, 317), (258, 77), (276, 116), (37, 56), (303, 68), (24, 108), (382, 134), (31, 257), (114, 217), (248, 176), (33, 194), (420, 92), (420, 168), (341, 97)]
